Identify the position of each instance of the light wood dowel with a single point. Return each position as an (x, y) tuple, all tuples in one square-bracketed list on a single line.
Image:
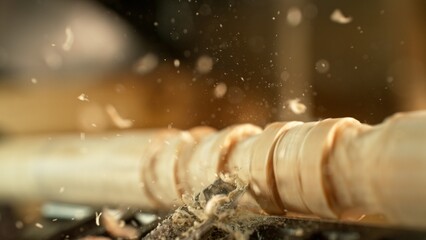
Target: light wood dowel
[(326, 169)]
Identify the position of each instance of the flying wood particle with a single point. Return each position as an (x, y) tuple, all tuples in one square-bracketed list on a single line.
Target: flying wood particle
[(220, 90), (296, 106), (176, 63), (69, 41), (338, 17), (39, 225), (98, 216), (83, 97), (116, 118)]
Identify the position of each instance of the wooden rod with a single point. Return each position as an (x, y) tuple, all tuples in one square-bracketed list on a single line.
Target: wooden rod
[(326, 168)]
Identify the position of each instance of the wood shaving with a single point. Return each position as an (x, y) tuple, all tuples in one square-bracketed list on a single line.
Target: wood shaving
[(338, 17), (69, 39), (214, 203), (214, 209), (296, 106), (116, 118), (98, 216), (114, 226)]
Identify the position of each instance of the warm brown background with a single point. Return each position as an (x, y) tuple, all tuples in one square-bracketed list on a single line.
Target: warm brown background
[(376, 62)]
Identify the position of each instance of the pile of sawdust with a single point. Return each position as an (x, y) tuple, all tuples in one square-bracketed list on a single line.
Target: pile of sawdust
[(212, 214)]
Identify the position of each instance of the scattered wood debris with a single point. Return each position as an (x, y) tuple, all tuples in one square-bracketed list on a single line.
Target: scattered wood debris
[(211, 213)]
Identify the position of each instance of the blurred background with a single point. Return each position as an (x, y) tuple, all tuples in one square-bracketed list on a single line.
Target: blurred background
[(106, 64), (90, 66)]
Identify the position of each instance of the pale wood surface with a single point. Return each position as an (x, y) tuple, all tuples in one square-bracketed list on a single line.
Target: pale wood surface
[(334, 168)]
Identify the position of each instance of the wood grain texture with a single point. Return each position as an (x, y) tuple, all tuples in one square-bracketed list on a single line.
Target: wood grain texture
[(328, 169)]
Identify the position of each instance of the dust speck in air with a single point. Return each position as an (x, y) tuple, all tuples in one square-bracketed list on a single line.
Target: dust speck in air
[(83, 97), (220, 90)]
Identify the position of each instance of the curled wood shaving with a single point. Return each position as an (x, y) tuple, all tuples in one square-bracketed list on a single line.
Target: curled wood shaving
[(114, 226)]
